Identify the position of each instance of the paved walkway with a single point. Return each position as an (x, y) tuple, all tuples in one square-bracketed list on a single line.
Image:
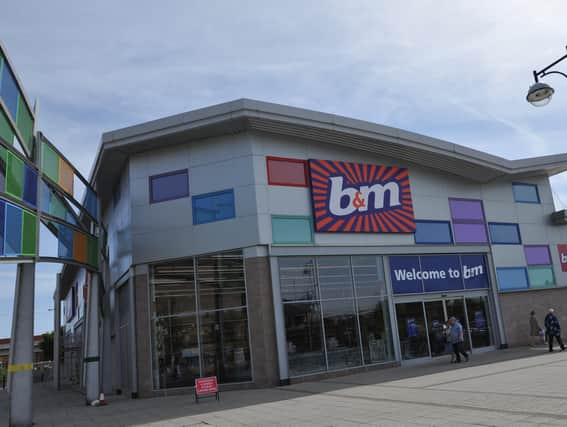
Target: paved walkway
[(505, 388)]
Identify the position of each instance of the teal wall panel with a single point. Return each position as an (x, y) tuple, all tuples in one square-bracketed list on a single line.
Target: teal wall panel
[(292, 229)]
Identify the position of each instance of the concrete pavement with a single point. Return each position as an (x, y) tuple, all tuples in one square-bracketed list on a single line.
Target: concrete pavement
[(506, 388)]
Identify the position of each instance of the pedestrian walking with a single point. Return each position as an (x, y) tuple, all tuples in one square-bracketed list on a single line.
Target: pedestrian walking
[(458, 339), (553, 330), (535, 330), (448, 343)]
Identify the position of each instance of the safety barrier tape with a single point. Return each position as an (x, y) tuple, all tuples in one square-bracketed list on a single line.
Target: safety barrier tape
[(21, 367)]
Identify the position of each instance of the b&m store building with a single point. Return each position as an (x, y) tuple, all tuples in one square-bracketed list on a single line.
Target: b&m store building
[(266, 244)]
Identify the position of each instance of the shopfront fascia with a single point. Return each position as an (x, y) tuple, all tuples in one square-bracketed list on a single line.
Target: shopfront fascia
[(309, 342)]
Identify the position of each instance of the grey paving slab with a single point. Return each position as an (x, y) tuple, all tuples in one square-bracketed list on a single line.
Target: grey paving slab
[(496, 389)]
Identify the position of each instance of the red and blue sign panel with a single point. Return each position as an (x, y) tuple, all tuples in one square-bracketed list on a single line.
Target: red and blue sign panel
[(360, 198)]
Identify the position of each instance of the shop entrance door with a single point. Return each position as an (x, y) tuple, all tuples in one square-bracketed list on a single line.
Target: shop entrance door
[(412, 330), (435, 315), (422, 324)]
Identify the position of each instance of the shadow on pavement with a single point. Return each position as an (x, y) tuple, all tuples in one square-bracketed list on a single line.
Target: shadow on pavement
[(67, 407)]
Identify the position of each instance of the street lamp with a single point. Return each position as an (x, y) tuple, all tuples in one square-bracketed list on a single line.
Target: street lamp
[(539, 94)]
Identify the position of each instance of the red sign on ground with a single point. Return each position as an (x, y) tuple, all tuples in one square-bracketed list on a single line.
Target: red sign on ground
[(563, 257), (206, 385)]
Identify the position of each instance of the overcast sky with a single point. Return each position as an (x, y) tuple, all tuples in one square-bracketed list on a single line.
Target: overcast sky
[(458, 71)]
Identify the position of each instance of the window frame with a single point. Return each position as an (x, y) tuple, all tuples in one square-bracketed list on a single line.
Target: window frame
[(290, 160), (538, 246), (492, 242), (455, 221), (434, 221), (526, 184), (164, 175), (214, 193)]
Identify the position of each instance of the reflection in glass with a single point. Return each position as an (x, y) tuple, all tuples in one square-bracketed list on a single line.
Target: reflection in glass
[(177, 351), (297, 279), (326, 287), (223, 320), (479, 321), (341, 336), (304, 338), (224, 345), (375, 330), (436, 324), (411, 328), (221, 281), (369, 277), (335, 278), (175, 324), (456, 308)]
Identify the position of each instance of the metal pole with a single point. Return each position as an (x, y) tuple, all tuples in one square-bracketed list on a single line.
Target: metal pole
[(132, 333), (20, 369), (57, 334), (92, 347), (279, 321)]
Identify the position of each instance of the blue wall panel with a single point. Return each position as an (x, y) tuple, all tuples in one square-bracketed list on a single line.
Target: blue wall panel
[(13, 237)]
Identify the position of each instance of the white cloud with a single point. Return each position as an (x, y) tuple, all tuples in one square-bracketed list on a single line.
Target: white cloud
[(453, 70)]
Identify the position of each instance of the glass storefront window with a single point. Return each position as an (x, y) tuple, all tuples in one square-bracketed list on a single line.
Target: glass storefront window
[(201, 336), (328, 325), (174, 288), (335, 277), (224, 345), (221, 281), (297, 279), (175, 324), (341, 334), (369, 277), (224, 331), (375, 330), (304, 332), (178, 350)]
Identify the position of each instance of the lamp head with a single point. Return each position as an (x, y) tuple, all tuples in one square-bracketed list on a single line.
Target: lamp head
[(539, 94)]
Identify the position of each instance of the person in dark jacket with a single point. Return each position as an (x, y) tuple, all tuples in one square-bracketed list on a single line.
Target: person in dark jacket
[(553, 329)]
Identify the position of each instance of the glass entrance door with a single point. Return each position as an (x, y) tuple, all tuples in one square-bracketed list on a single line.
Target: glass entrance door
[(412, 330), (479, 321), (456, 308), (435, 315), (421, 325)]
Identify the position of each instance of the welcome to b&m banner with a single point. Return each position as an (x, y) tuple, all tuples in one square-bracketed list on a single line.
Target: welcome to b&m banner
[(360, 198)]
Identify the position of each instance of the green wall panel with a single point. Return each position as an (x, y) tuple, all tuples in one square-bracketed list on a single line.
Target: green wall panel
[(14, 176), (56, 207), (292, 229), (541, 277), (92, 251), (29, 228), (25, 124), (6, 132), (50, 163)]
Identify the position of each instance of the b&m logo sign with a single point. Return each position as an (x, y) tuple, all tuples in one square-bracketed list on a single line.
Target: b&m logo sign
[(360, 198), (563, 257)]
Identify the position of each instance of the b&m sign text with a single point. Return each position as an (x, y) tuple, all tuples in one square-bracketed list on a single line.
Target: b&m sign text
[(360, 198)]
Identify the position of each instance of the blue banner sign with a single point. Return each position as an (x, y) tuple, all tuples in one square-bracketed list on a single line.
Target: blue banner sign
[(437, 273)]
